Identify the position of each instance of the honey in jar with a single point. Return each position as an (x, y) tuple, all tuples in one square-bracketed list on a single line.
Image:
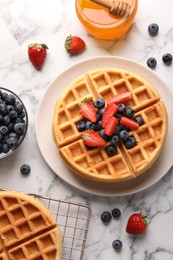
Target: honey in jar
[(101, 23)]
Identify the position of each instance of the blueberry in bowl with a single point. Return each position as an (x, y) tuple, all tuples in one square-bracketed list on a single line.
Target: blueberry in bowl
[(13, 122)]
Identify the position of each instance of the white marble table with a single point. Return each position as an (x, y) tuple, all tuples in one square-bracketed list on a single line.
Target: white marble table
[(23, 22)]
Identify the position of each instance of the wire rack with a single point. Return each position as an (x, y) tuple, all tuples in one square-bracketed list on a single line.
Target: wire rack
[(73, 221)]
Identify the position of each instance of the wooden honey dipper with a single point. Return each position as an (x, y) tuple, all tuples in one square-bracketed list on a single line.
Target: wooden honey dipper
[(116, 7)]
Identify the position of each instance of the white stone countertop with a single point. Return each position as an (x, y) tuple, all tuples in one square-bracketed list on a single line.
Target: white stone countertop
[(23, 22)]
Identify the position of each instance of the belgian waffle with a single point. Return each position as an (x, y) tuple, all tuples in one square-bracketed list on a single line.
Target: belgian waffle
[(95, 164), (28, 231)]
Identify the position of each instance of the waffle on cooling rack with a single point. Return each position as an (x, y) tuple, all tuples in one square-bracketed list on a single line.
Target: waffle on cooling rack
[(94, 163), (27, 229)]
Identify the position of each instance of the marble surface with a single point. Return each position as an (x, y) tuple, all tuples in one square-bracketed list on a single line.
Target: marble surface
[(23, 22)]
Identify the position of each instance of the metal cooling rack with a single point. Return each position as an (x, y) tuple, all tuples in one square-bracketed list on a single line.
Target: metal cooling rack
[(73, 221)]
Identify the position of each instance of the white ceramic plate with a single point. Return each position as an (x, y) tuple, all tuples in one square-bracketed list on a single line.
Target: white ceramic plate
[(48, 147)]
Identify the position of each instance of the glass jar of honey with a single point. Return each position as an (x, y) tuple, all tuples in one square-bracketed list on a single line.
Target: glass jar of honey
[(101, 23)]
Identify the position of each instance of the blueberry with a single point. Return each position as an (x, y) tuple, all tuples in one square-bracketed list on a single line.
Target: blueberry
[(3, 109), (99, 116), (153, 29), (139, 120), (118, 116), (10, 108), (123, 135), (10, 99), (81, 126), (101, 111), (116, 213), (12, 142), (111, 150), (130, 142), (10, 127), (99, 103), (90, 126), (18, 107), (4, 95), (3, 130), (5, 148), (1, 117), (19, 128), (6, 120), (121, 108), (117, 244), (129, 112), (119, 128), (25, 169), (103, 135), (0, 137), (115, 139), (151, 62), (13, 114), (106, 216), (99, 125), (167, 58)]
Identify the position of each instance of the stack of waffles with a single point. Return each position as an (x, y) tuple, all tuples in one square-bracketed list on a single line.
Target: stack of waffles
[(94, 164), (27, 229)]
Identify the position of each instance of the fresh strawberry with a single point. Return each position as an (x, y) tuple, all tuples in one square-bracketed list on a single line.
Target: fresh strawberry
[(136, 224), (121, 98), (110, 110), (37, 54), (74, 44), (129, 123), (92, 138), (87, 110), (110, 125)]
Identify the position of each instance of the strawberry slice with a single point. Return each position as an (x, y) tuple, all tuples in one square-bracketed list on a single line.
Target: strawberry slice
[(92, 138), (110, 110), (121, 98), (129, 123), (111, 125), (87, 110)]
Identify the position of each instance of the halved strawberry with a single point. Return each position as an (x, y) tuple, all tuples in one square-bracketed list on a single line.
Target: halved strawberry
[(92, 138), (121, 98), (129, 123), (87, 110), (110, 110), (111, 125)]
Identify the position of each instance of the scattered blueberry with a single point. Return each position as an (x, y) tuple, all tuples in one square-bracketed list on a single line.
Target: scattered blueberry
[(111, 150), (123, 135), (129, 112), (106, 216), (167, 58), (118, 116), (151, 62), (139, 120), (81, 126), (99, 103), (115, 139), (153, 29), (101, 111), (25, 169), (116, 213), (130, 142), (117, 244)]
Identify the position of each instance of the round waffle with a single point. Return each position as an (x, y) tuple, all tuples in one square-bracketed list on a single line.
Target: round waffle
[(27, 229), (94, 164)]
